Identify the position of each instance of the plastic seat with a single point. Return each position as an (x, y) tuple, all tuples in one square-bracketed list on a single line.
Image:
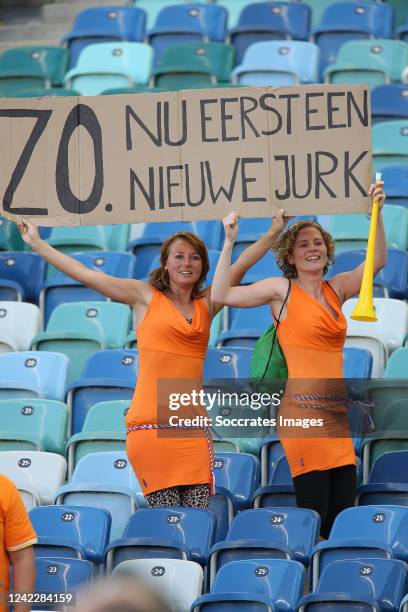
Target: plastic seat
[(374, 584), (38, 66), (71, 531), (10, 239), (369, 61), (278, 63), (38, 474), (73, 239), (279, 492), (345, 21), (110, 64), (104, 480), (402, 31), (105, 24), (177, 581), (284, 533), (236, 476), (397, 364), (193, 71), (389, 102), (364, 532), (389, 144), (178, 533), (25, 269), (19, 323), (267, 584), (387, 482), (108, 375), (245, 327), (220, 57), (270, 453), (396, 179), (33, 425), (262, 21), (103, 430), (29, 374), (82, 328), (227, 363), (391, 281), (62, 288), (153, 8), (187, 23), (357, 363), (41, 92), (54, 575)]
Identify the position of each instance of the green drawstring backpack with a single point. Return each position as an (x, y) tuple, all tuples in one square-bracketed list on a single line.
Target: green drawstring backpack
[(268, 361)]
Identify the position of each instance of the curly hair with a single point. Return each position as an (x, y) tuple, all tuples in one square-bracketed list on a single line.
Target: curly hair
[(284, 246), (159, 278)]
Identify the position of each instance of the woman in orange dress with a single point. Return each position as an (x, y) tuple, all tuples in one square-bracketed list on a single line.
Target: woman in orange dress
[(173, 315), (311, 332)]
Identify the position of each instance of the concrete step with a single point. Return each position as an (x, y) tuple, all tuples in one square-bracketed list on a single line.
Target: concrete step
[(65, 12), (33, 31), (10, 44)]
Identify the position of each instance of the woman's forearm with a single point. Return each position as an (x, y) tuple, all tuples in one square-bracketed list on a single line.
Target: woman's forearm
[(222, 278), (64, 263), (257, 250)]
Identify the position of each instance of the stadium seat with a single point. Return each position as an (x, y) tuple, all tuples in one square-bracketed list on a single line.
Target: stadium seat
[(19, 323), (263, 21), (279, 492), (220, 57), (179, 582), (24, 269), (10, 239), (402, 31), (396, 179), (32, 67), (153, 8), (278, 63), (42, 92), (380, 61), (397, 364), (178, 533), (270, 453), (71, 531), (357, 363), (185, 23), (103, 430), (193, 71), (73, 239), (33, 425), (104, 480), (65, 576), (236, 476), (401, 10), (389, 144), (394, 384), (117, 236), (345, 21), (372, 584), (108, 65), (81, 328), (245, 326), (364, 532), (284, 533), (267, 584), (105, 24), (391, 281), (389, 102), (36, 474), (108, 375), (230, 363), (28, 374), (62, 288), (387, 481)]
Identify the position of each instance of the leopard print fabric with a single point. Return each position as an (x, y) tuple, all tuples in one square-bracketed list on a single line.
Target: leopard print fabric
[(194, 496)]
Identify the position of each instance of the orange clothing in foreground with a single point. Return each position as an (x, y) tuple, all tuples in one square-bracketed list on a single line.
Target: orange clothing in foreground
[(312, 340), (16, 532), (169, 348)]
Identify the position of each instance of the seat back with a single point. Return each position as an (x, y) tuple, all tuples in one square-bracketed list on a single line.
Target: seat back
[(239, 473), (33, 374), (210, 19), (389, 102), (390, 467), (106, 416), (390, 144), (106, 468), (50, 63), (53, 575), (357, 363), (227, 363), (219, 55), (19, 323), (114, 363), (27, 269), (397, 366)]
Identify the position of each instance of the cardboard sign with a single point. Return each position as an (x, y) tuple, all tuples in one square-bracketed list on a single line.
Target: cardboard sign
[(189, 155)]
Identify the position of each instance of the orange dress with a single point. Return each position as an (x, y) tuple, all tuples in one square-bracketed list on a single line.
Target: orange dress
[(312, 340), (169, 348)]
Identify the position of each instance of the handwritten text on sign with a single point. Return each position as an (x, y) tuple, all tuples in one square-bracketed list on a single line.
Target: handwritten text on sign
[(186, 155)]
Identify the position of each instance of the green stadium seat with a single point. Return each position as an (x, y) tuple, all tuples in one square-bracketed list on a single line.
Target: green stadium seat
[(103, 430), (401, 11), (192, 71), (78, 329), (389, 145), (32, 67), (10, 239), (76, 239), (220, 56), (33, 424), (52, 92), (369, 61), (117, 236)]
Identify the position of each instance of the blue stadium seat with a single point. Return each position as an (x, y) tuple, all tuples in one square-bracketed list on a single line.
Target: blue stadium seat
[(105, 24), (29, 374), (71, 531), (396, 180), (387, 482), (364, 532), (284, 533), (260, 21), (211, 233), (11, 291), (372, 584), (344, 21), (270, 453), (108, 375), (236, 476), (180, 533), (279, 492), (187, 23), (227, 363), (357, 363), (54, 575), (389, 102), (267, 584), (278, 63), (62, 288), (246, 325), (104, 480), (26, 269)]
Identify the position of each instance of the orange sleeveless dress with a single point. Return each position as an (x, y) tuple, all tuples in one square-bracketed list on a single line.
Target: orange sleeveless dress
[(169, 348), (312, 340)]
